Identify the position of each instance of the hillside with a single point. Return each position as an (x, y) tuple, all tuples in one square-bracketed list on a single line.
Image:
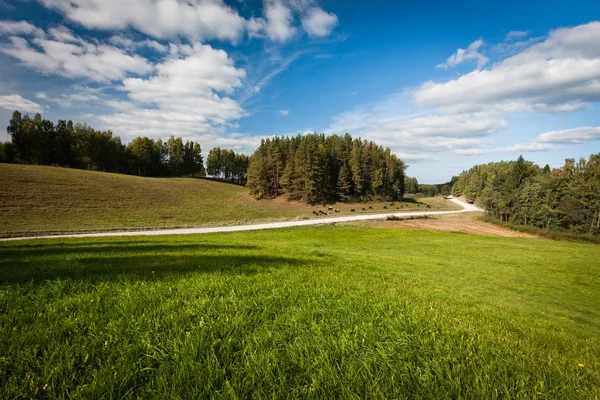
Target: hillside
[(36, 199)]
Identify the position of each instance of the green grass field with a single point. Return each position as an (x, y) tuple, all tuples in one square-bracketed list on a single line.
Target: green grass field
[(316, 312), (47, 200)]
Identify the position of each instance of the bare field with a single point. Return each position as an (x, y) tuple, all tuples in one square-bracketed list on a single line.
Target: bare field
[(463, 223)]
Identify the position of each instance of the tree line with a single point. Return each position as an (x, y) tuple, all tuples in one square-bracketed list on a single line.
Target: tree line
[(227, 165), (522, 193), (66, 144), (316, 168)]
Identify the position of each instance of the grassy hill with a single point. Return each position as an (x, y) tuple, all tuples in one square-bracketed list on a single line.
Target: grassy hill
[(36, 199), (314, 312)]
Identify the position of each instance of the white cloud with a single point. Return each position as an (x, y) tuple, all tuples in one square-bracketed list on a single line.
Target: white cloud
[(559, 74), (14, 102), (187, 96), (279, 21), (419, 137), (131, 45), (283, 113), (551, 140), (62, 53), (200, 19), (530, 147), (468, 152), (19, 28), (41, 96), (470, 53), (571, 136), (319, 23)]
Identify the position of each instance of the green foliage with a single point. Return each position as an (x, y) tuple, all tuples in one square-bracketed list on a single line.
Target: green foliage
[(520, 193), (315, 168), (227, 165), (315, 312), (38, 141), (411, 185)]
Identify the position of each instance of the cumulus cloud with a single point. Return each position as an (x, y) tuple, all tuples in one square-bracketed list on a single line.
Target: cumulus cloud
[(200, 19), (319, 23), (61, 53), (279, 20), (187, 96), (470, 53), (575, 135), (283, 113), (419, 137), (131, 45), (19, 28), (552, 140), (558, 74), (13, 102)]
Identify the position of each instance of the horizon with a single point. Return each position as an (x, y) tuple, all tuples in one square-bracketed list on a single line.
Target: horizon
[(445, 87)]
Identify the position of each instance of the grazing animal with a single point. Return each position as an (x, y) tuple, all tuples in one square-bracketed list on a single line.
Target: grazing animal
[(316, 213), (370, 208), (397, 208), (352, 210), (401, 206), (324, 205), (330, 208), (418, 205), (385, 207), (336, 210), (428, 206), (364, 209), (392, 205)]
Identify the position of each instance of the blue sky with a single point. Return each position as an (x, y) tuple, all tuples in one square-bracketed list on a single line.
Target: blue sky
[(446, 85)]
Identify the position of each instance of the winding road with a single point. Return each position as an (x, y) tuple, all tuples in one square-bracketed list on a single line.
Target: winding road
[(271, 225)]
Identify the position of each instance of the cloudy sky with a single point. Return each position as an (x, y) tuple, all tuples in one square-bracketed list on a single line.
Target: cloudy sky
[(444, 84)]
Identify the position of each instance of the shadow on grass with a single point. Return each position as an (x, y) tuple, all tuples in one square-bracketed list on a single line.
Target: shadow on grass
[(131, 261), (35, 250)]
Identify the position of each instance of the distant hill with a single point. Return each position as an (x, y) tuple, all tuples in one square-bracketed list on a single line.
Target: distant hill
[(40, 199), (51, 199)]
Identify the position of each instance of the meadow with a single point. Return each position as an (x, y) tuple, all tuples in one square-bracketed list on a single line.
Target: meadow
[(341, 311), (48, 200)]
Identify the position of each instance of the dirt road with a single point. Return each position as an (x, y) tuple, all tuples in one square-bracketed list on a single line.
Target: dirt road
[(273, 225)]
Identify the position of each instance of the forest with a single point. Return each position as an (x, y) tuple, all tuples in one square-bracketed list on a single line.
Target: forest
[(521, 193), (227, 165), (65, 144), (315, 168)]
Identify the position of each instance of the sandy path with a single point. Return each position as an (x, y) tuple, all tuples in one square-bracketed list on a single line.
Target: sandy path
[(272, 225)]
